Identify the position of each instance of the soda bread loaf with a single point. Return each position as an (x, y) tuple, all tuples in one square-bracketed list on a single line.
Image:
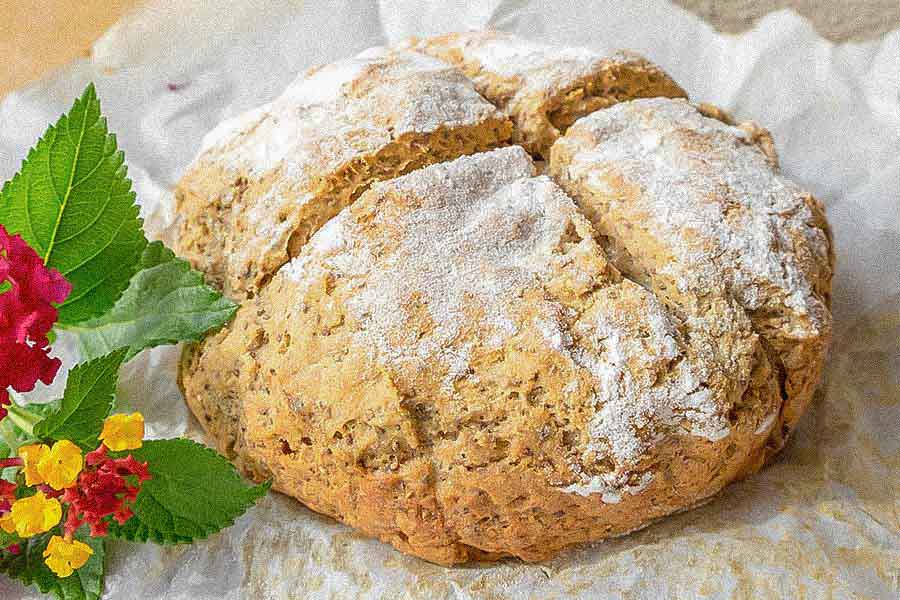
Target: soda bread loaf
[(543, 88), (268, 179), (472, 361)]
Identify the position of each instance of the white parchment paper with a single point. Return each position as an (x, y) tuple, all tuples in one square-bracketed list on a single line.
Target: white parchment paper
[(821, 522)]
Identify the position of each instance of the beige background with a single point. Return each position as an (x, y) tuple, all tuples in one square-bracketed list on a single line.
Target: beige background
[(39, 35), (837, 20)]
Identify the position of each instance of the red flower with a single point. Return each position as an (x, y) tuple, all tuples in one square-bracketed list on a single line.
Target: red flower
[(105, 488), (7, 495), (26, 316)]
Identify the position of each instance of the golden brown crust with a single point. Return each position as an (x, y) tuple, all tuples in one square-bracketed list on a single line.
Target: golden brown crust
[(269, 179), (464, 363), (695, 208), (582, 408), (544, 89)]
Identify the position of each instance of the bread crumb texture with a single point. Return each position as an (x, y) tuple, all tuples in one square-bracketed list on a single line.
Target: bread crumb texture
[(468, 359)]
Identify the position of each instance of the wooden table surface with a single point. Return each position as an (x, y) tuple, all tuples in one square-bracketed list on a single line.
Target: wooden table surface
[(39, 35)]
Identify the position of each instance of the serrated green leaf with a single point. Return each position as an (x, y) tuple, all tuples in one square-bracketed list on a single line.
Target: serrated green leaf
[(166, 302), (88, 399), (194, 493), (28, 567), (72, 202)]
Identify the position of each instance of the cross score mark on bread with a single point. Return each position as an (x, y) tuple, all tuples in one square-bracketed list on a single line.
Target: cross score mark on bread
[(466, 362), (267, 180), (544, 88)]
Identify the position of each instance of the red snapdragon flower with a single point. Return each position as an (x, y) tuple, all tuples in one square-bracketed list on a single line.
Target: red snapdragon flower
[(27, 314), (105, 488)]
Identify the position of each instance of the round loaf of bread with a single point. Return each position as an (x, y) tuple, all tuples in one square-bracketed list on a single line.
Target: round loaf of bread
[(473, 360)]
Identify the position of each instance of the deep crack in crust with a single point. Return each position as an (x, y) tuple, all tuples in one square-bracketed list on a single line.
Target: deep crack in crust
[(454, 364), (268, 179), (692, 208), (542, 88)]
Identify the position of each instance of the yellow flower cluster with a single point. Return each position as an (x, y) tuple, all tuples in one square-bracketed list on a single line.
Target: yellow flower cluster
[(123, 432), (58, 467)]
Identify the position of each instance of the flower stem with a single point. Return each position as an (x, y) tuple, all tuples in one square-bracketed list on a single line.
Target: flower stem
[(8, 436), (22, 418)]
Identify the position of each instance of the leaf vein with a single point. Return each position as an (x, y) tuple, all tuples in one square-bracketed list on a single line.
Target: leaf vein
[(99, 251), (65, 200), (97, 217)]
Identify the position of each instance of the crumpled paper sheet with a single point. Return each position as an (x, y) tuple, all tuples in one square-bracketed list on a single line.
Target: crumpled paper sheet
[(823, 521)]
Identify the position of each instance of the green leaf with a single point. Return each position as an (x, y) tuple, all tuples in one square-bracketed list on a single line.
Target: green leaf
[(11, 437), (72, 202), (88, 399), (44, 409), (155, 254), (194, 493), (28, 567), (8, 539), (9, 443), (166, 302)]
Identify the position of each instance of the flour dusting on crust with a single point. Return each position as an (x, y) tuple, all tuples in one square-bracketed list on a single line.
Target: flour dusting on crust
[(712, 198), (545, 88), (268, 179), (540, 69), (460, 243), (648, 384), (324, 105), (472, 237)]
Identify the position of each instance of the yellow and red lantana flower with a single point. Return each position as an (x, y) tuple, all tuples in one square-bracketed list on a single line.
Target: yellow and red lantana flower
[(106, 487), (92, 487)]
